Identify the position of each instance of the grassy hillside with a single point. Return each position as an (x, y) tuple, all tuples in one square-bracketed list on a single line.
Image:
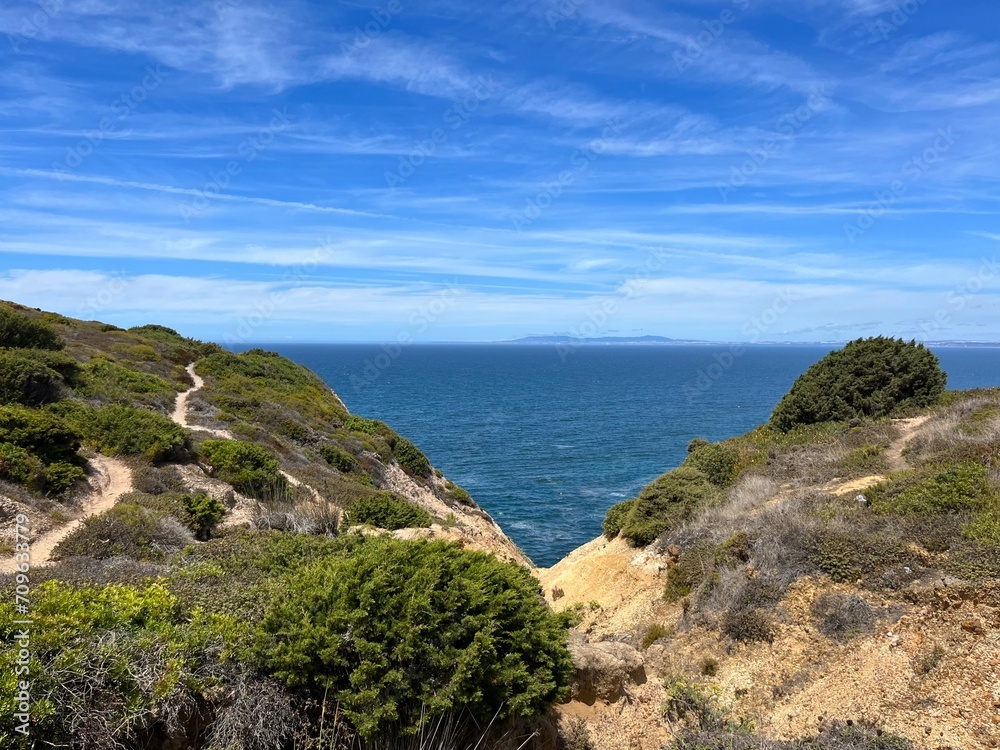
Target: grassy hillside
[(218, 493)]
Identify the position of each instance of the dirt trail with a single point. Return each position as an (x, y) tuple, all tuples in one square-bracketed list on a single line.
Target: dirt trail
[(181, 407), (893, 454), (114, 479)]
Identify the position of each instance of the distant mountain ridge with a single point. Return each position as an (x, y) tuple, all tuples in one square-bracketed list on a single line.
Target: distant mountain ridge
[(576, 340)]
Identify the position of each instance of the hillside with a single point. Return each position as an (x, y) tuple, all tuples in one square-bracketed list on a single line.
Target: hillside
[(838, 571), (161, 503), (223, 557), (327, 459)]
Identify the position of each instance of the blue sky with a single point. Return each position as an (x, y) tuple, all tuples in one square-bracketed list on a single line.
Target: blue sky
[(431, 170)]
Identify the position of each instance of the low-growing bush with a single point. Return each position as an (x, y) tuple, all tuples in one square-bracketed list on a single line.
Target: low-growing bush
[(837, 735), (249, 467), (458, 494), (615, 517), (105, 381), (748, 624), (24, 380), (670, 500), (963, 487), (410, 458), (398, 632), (338, 458), (110, 664), (18, 331), (655, 632), (156, 480), (387, 511), (129, 531), (864, 461), (875, 377), (43, 434), (717, 460), (118, 430), (695, 706)]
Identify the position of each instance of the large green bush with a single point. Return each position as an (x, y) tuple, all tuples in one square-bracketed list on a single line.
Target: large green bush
[(44, 435), (386, 511), (873, 377), (18, 331), (25, 380), (118, 430), (397, 631), (670, 500), (249, 467)]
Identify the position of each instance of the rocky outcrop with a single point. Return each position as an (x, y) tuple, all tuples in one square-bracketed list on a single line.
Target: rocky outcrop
[(605, 671)]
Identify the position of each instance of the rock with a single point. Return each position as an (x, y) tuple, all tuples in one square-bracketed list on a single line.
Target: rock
[(674, 552), (973, 626), (604, 670)]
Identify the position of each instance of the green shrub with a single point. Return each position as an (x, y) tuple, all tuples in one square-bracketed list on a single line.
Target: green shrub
[(410, 458), (43, 434), (338, 458), (107, 380), (20, 467), (667, 502), (24, 380), (874, 377), (204, 513), (864, 461), (386, 511), (18, 331), (248, 467), (400, 631), (655, 632), (61, 477), (109, 663), (125, 530), (717, 460), (118, 430), (963, 487), (615, 517), (458, 494), (985, 526)]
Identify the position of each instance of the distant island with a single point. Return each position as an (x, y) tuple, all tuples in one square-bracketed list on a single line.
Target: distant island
[(578, 341)]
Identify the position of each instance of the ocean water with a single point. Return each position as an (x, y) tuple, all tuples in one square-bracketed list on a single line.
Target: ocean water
[(546, 441)]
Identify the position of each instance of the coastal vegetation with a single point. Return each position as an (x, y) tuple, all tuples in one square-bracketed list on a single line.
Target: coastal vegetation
[(162, 622)]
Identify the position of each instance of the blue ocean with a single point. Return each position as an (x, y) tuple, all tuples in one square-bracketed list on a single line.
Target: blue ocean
[(546, 439)]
